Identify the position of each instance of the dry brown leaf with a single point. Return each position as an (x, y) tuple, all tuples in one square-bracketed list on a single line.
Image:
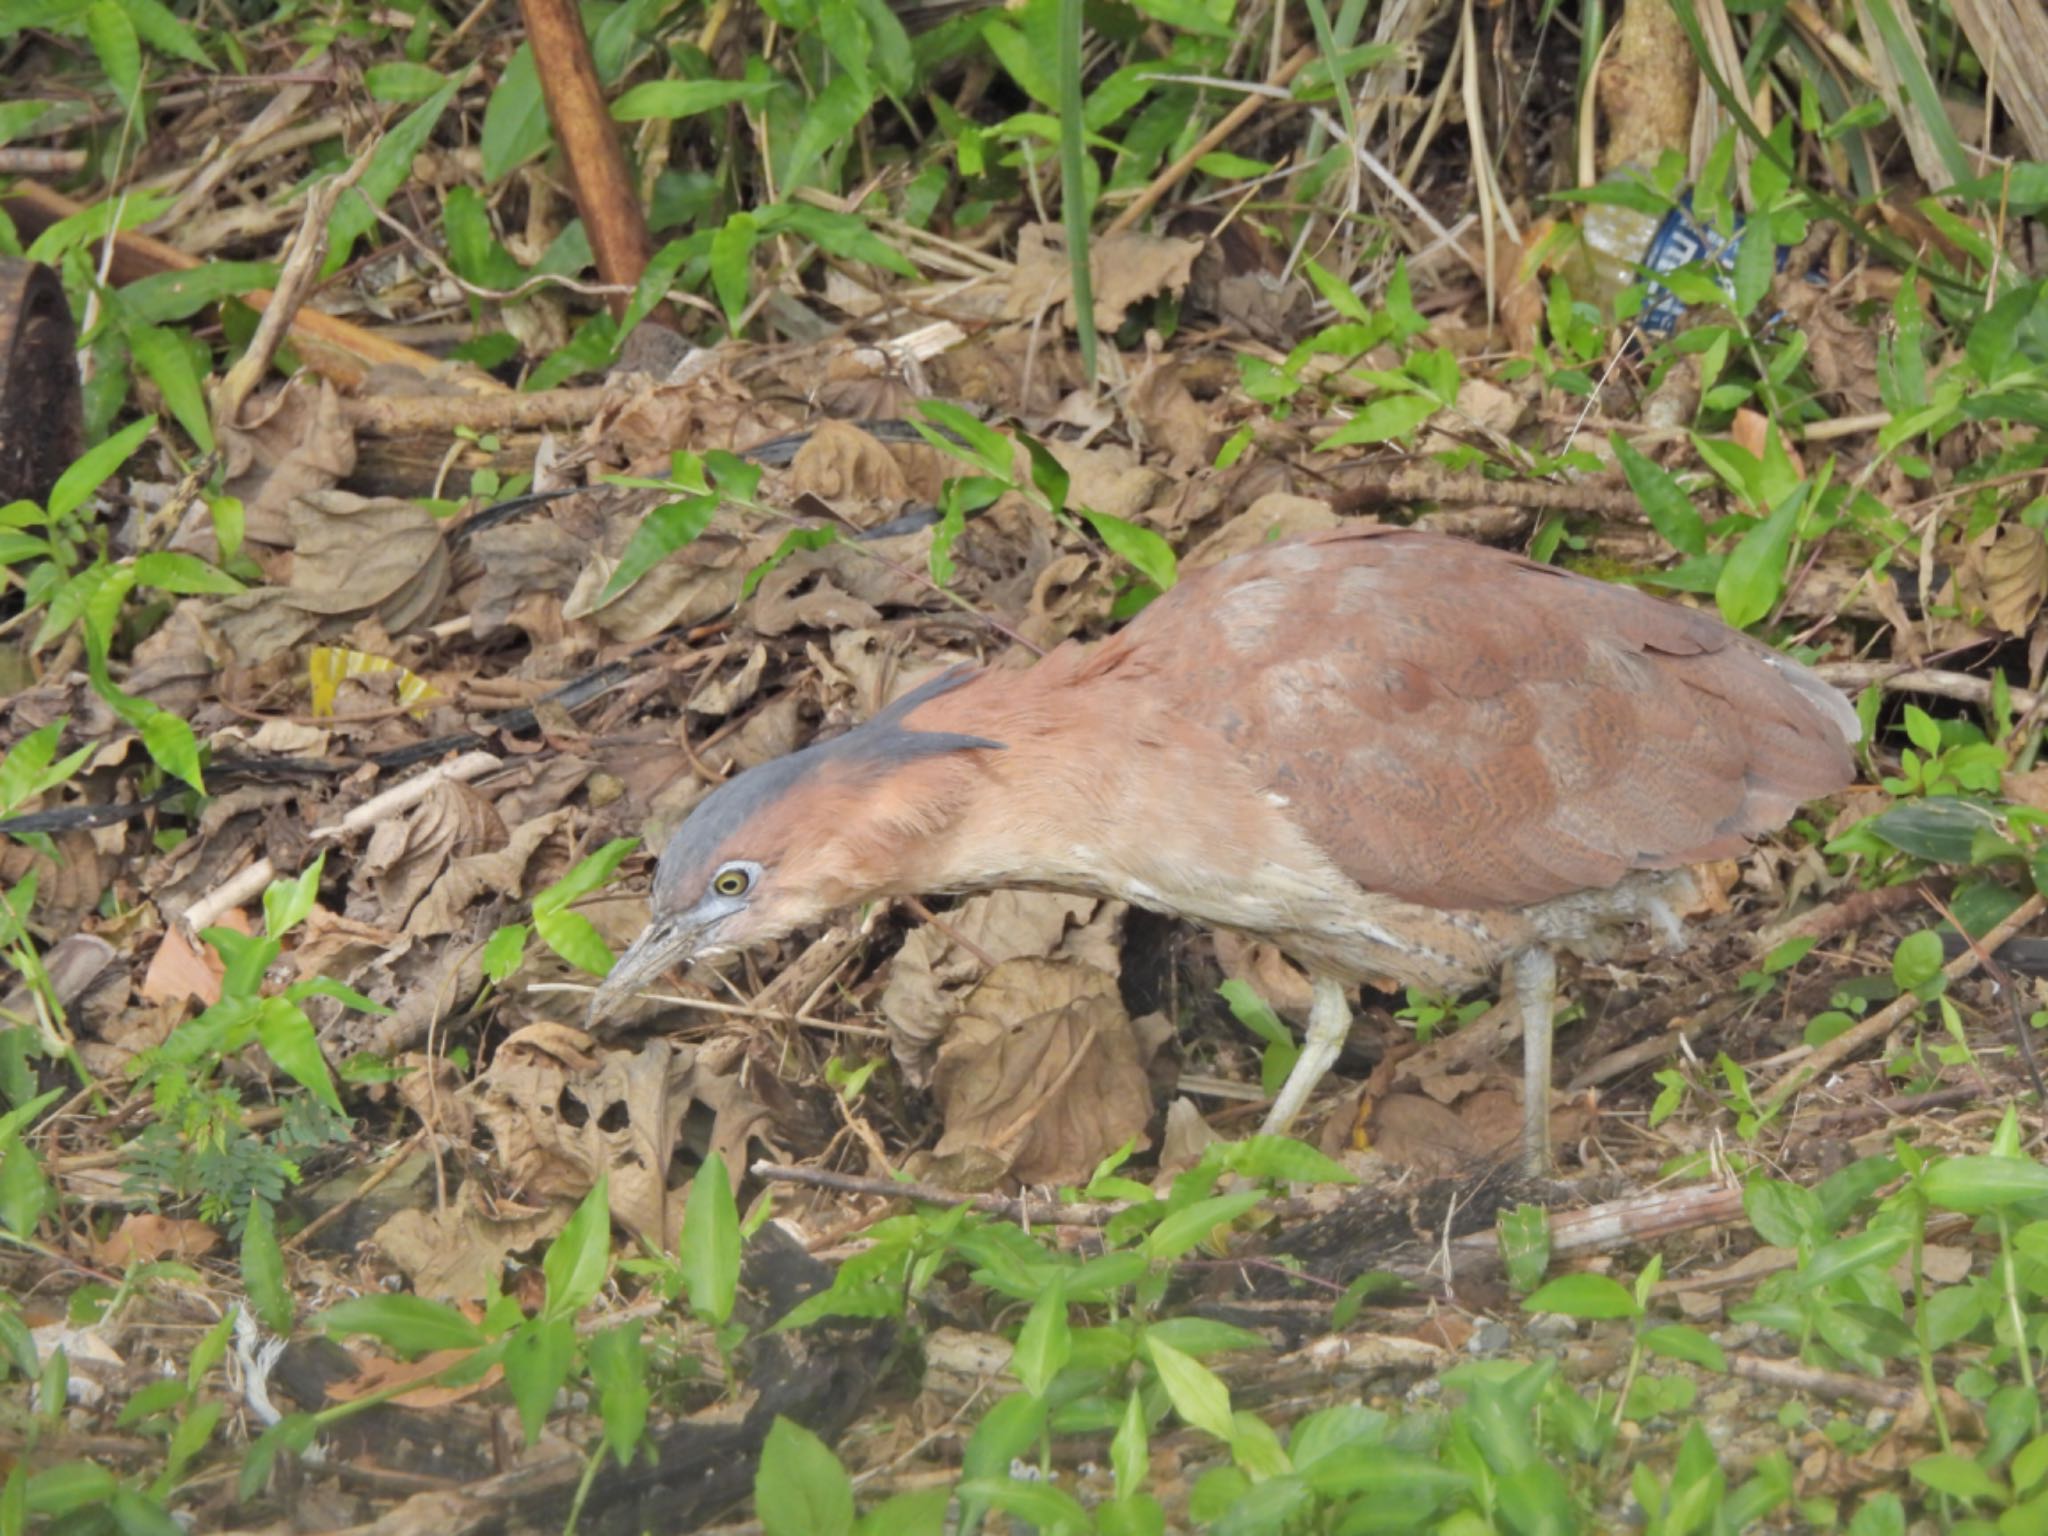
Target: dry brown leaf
[(67, 887), (931, 969), (380, 1373), (1111, 478), (2015, 576), (456, 1253), (181, 970), (146, 1236), (560, 1112), (293, 443), (1188, 1135), (535, 854), (1266, 969), (1172, 418), (351, 557), (838, 460), (721, 693), (405, 855), (1275, 515), (1124, 270), (1041, 1076)]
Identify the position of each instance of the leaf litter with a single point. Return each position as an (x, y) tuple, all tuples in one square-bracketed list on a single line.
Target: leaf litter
[(1029, 1036)]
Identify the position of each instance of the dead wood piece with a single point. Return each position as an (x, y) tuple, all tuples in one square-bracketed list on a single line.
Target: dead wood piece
[(301, 267), (41, 415), (406, 415), (1021, 1209), (1811, 1378), (1372, 485), (249, 882), (1852, 912), (333, 348), (604, 190), (417, 464), (1810, 1065), (1959, 686)]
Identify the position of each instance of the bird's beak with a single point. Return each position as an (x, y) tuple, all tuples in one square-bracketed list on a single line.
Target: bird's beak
[(666, 942)]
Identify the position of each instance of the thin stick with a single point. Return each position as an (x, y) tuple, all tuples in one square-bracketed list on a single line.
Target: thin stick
[(1228, 124), (1824, 1058)]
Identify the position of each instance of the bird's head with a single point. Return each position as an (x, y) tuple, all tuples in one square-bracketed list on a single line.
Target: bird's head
[(785, 844)]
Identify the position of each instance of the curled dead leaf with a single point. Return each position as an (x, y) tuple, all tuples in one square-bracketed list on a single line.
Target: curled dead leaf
[(1042, 1074), (2015, 575)]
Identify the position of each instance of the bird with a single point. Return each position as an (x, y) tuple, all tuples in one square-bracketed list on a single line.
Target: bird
[(1399, 756)]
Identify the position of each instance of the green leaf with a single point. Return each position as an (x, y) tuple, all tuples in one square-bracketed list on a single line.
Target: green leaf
[(163, 31), (827, 123), (572, 936), (1390, 416), (287, 1037), (732, 250), (668, 528), (1149, 554), (1901, 42), (503, 952), (288, 903), (1756, 263), (25, 1193), (1916, 963), (922, 1513), (1524, 1244), (1197, 1393), (1050, 1510), (1257, 1015), (355, 215), (167, 360), (1942, 829), (673, 99), (1583, 1295), (113, 39), (1045, 1342), (1754, 575), (1047, 473), (412, 1325), (515, 118), (402, 80), (162, 297), (618, 1368), (1874, 1248), (1665, 503), (1183, 1229), (538, 1354), (1675, 1341), (580, 1256), (711, 1242), (27, 770), (294, 1432), (263, 1269), (1959, 1478), (1130, 1450), (96, 465), (800, 1488), (1979, 1184), (184, 574), (1279, 1158)]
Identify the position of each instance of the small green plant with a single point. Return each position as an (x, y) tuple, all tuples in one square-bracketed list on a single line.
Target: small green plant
[(201, 1143)]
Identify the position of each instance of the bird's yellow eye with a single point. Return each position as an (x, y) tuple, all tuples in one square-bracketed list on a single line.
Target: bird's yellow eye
[(731, 882)]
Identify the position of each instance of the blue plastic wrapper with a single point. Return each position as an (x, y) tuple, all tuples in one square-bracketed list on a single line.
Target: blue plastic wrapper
[(1680, 239)]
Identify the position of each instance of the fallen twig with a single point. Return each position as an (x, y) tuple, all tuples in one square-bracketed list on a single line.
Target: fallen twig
[(1824, 1058)]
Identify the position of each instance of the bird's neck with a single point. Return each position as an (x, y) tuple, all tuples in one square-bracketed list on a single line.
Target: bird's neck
[(1091, 791)]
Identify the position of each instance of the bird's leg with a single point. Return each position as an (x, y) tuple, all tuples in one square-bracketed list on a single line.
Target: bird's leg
[(1329, 1023), (1533, 975)]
